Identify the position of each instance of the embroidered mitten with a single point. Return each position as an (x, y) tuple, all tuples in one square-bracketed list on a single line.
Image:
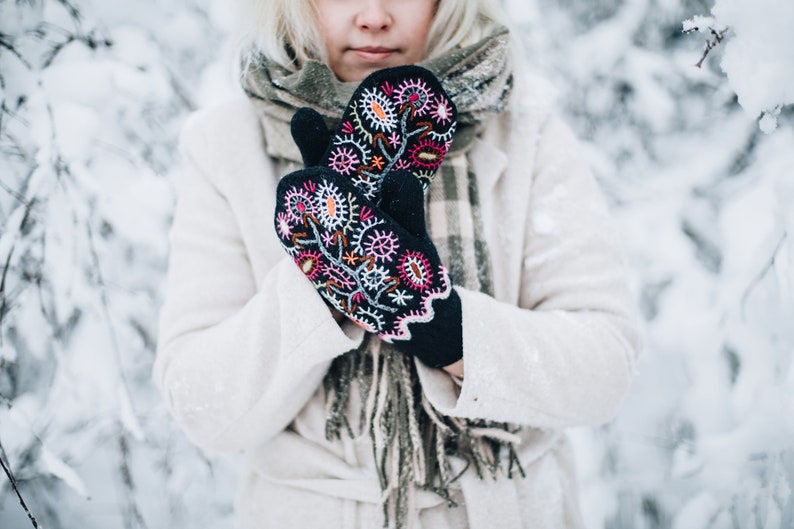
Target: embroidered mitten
[(397, 118), (437, 341), (375, 264)]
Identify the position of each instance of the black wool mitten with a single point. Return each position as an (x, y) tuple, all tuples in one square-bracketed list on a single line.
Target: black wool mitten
[(376, 264), (354, 222), (436, 342), (398, 118)]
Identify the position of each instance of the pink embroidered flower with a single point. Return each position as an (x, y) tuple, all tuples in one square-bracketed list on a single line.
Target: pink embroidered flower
[(395, 139), (427, 154), (441, 112), (381, 244), (416, 93), (415, 271), (283, 226), (402, 163), (309, 262), (344, 160), (366, 213), (298, 203)]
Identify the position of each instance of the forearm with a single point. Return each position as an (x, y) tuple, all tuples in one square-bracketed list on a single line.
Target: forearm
[(455, 369), (241, 380), (542, 368)]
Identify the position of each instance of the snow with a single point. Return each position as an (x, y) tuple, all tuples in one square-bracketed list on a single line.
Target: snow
[(695, 164), (759, 61), (58, 468), (702, 201), (759, 53), (699, 23)]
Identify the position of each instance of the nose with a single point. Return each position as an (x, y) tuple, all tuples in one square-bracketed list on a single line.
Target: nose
[(373, 16)]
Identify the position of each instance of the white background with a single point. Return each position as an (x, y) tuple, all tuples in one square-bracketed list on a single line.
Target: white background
[(93, 95)]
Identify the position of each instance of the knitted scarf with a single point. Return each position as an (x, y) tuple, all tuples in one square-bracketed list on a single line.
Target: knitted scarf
[(411, 440)]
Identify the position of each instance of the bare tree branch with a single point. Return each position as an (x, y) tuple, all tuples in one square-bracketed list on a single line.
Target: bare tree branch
[(710, 43), (768, 266), (6, 41), (13, 481)]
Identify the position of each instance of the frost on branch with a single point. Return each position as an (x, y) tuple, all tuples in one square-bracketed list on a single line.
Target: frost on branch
[(702, 200), (705, 25), (92, 98), (758, 58), (91, 106)]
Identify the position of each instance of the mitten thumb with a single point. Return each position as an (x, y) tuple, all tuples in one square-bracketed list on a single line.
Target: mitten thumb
[(403, 199), (310, 135)]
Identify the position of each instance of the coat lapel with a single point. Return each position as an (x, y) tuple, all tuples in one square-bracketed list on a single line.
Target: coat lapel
[(488, 160)]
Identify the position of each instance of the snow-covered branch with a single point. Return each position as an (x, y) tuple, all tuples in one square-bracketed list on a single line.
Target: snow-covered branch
[(757, 60), (93, 96)]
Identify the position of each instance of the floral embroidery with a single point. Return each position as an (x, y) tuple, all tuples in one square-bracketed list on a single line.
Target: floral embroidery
[(414, 92), (343, 160), (415, 270), (390, 124), (329, 220), (378, 111), (355, 258)]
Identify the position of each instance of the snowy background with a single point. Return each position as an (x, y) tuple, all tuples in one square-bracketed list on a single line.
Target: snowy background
[(697, 164)]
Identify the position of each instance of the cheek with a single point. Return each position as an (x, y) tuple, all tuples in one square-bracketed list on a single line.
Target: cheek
[(329, 23), (331, 41), (420, 26)]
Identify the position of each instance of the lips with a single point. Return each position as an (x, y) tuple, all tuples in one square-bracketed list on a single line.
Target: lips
[(373, 53)]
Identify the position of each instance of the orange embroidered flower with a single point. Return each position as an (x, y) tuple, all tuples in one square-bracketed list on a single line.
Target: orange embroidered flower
[(350, 258)]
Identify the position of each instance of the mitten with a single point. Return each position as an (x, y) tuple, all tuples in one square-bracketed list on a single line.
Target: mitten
[(437, 341), (398, 118), (376, 264)]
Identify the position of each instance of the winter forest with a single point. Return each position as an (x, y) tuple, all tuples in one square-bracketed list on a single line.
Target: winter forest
[(686, 111)]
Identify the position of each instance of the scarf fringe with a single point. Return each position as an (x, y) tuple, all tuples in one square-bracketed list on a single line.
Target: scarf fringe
[(411, 440)]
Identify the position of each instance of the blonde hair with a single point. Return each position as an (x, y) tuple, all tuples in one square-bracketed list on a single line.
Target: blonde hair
[(286, 30)]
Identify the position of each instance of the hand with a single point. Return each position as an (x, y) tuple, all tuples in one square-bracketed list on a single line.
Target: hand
[(437, 342), (375, 264), (398, 118)]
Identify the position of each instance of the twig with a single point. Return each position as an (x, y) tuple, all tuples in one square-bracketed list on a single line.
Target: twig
[(7, 42), (74, 13), (16, 489), (134, 515), (19, 198), (710, 43), (768, 266), (3, 305)]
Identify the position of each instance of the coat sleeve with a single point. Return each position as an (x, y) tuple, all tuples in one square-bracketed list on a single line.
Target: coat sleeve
[(237, 359), (565, 354)]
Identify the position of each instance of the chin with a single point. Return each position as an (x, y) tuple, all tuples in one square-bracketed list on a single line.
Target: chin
[(358, 74)]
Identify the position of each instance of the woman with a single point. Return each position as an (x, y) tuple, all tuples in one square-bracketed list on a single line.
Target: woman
[(342, 429)]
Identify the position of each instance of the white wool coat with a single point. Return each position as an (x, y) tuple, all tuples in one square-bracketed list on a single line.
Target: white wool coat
[(245, 340)]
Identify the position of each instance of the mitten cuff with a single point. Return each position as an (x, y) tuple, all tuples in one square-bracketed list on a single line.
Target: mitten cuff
[(439, 342)]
